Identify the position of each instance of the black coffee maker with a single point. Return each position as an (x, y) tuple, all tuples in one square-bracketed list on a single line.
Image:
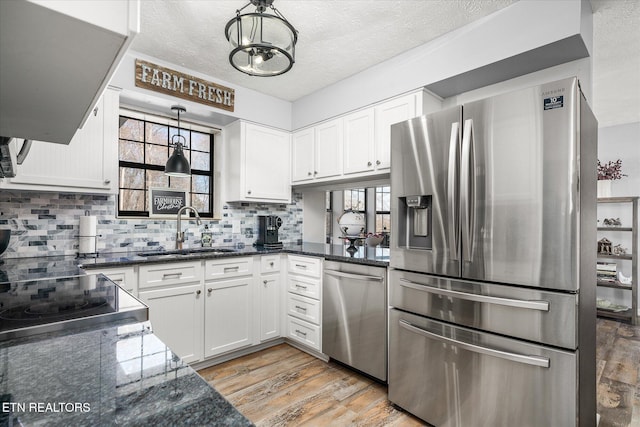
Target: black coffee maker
[(268, 226)]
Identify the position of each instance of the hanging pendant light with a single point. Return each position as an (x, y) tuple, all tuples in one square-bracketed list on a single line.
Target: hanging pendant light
[(262, 45), (178, 165)]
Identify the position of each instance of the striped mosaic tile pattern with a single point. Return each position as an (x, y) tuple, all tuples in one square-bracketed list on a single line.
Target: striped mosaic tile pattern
[(47, 224)]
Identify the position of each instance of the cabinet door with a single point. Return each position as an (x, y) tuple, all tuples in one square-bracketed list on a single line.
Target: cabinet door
[(266, 166), (270, 297), (328, 149), (176, 317), (88, 163), (358, 142), (386, 114), (303, 146), (228, 315)]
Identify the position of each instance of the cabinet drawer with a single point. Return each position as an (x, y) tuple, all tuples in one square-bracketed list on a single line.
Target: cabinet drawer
[(303, 308), (303, 286), (228, 267), (305, 266), (303, 332), (269, 263), (169, 274)]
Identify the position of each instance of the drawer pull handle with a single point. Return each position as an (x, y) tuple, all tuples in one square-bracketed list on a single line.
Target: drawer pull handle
[(167, 275), (301, 308), (117, 280), (231, 269), (300, 286), (271, 264), (304, 334), (301, 266), (265, 282), (198, 292), (509, 302), (210, 290), (514, 357)]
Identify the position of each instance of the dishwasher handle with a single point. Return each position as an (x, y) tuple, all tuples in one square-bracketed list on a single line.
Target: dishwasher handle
[(514, 357), (353, 276)]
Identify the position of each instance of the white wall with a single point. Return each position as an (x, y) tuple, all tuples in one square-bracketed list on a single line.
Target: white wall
[(522, 27), (249, 104)]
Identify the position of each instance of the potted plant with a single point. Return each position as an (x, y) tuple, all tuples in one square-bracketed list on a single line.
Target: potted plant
[(608, 172)]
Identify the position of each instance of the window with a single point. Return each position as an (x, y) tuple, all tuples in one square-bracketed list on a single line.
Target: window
[(383, 209), (328, 218), (144, 148), (383, 213), (355, 200)]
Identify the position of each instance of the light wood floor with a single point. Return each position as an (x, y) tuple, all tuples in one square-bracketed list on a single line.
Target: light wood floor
[(283, 386)]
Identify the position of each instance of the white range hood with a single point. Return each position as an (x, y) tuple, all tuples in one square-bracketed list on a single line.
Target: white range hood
[(56, 58)]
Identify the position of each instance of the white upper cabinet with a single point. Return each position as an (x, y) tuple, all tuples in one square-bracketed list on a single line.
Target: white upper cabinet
[(328, 149), (386, 114), (88, 164), (257, 163), (303, 155), (317, 152), (57, 58), (357, 144), (359, 154)]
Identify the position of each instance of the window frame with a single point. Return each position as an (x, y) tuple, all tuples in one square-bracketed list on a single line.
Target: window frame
[(184, 126)]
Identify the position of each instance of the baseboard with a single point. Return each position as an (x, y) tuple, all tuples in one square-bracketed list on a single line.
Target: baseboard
[(235, 354)]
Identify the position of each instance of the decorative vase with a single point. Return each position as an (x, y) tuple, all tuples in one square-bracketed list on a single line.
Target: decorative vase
[(604, 188)]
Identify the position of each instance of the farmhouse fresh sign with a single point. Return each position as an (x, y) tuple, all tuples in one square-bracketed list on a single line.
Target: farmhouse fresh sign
[(160, 79)]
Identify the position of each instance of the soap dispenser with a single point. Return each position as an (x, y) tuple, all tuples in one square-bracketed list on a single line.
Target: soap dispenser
[(206, 238)]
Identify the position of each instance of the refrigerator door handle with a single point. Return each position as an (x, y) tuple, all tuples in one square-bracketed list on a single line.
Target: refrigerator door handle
[(452, 195), (509, 302), (467, 190), (514, 357)]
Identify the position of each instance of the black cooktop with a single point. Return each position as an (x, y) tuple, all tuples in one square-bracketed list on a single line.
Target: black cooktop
[(46, 305)]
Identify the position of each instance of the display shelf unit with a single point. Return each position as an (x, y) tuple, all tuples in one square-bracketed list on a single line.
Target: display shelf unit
[(630, 315)]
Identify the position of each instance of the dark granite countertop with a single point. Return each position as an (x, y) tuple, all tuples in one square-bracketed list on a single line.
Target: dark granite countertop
[(116, 375), (365, 255), (15, 269)]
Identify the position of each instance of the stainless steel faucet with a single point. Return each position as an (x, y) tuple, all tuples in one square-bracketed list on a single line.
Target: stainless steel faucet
[(180, 233)]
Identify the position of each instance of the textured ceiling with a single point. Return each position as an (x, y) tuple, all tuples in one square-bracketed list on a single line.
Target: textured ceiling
[(352, 35)]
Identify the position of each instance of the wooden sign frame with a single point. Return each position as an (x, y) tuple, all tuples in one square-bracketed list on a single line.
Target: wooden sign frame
[(170, 82)]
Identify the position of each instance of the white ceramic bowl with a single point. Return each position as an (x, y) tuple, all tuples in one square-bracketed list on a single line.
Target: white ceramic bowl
[(374, 240)]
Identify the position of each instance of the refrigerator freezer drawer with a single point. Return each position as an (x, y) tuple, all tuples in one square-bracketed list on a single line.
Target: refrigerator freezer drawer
[(456, 377), (534, 315)]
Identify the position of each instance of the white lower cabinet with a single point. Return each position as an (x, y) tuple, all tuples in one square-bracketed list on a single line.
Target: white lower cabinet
[(270, 313), (176, 318), (228, 315), (173, 293), (229, 305), (304, 280)]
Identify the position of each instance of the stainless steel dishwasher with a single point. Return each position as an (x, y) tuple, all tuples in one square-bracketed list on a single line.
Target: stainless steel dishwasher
[(354, 316)]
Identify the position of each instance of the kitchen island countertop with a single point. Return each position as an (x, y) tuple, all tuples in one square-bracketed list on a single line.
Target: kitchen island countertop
[(121, 374)]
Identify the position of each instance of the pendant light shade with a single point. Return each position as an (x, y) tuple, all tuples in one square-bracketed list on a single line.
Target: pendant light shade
[(178, 164), (262, 44)]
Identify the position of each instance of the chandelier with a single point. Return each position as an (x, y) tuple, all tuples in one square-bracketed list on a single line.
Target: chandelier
[(262, 44)]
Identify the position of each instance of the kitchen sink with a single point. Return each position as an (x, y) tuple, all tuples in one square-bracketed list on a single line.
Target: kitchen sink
[(183, 252)]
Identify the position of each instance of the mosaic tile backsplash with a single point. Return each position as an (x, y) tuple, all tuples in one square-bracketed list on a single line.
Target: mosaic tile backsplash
[(47, 224)]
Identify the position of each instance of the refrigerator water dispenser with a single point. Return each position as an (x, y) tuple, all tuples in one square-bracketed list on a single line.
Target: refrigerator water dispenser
[(415, 230)]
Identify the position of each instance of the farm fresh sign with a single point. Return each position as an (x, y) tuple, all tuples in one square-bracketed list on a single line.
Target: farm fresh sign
[(160, 79)]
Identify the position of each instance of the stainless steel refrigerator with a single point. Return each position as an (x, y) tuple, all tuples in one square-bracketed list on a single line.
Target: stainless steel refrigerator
[(493, 256)]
